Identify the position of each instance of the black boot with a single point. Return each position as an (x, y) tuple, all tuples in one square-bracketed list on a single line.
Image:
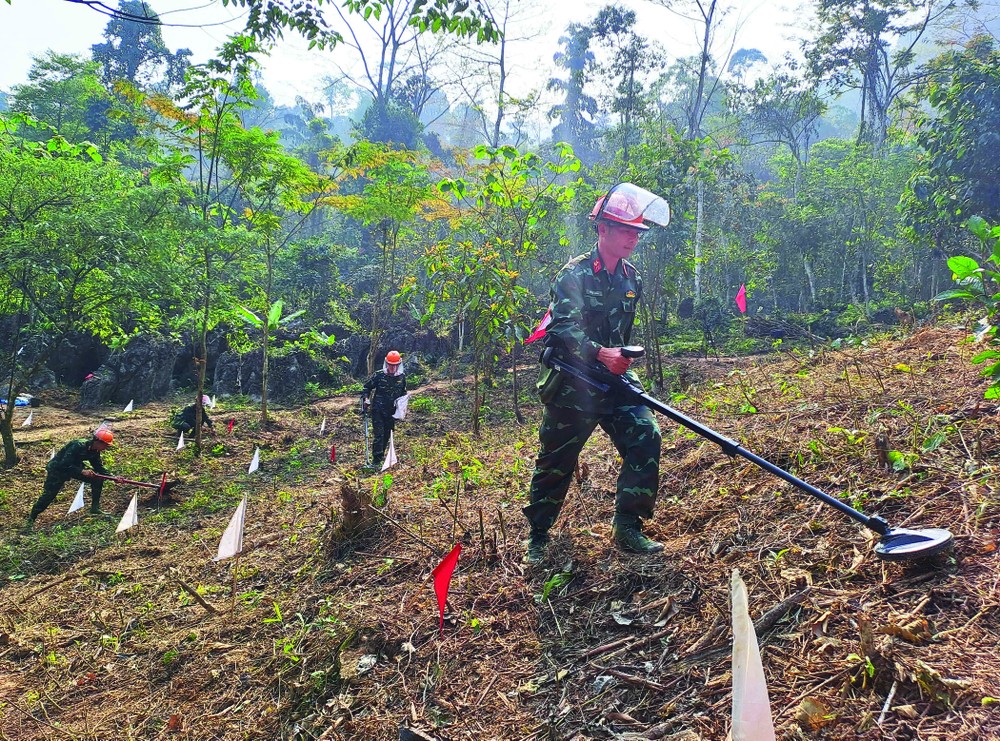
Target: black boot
[(538, 541), (627, 533)]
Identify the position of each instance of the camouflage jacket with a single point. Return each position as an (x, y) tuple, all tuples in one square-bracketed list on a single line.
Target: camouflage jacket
[(187, 415), (69, 460), (387, 389), (591, 308)]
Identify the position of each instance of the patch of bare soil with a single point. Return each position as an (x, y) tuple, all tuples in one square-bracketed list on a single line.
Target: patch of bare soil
[(327, 625)]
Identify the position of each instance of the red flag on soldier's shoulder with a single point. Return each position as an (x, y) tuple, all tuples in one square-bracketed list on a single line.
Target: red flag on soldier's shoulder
[(539, 332), (741, 299), (442, 580)]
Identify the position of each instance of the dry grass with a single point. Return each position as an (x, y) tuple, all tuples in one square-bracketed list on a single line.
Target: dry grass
[(337, 638)]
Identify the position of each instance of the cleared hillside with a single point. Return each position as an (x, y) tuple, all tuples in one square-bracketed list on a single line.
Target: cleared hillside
[(333, 632)]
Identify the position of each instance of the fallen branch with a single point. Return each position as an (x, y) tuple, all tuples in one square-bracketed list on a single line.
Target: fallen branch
[(637, 681), (627, 643), (762, 625), (198, 598), (404, 530)]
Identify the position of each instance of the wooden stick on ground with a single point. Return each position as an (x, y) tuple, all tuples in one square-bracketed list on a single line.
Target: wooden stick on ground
[(197, 597)]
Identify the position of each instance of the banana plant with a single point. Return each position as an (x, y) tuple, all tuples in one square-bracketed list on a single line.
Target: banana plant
[(268, 326)]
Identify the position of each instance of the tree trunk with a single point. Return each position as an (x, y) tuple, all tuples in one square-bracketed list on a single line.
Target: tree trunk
[(698, 232), (7, 433), (265, 343), (475, 399), (201, 355), (514, 353), (811, 278)]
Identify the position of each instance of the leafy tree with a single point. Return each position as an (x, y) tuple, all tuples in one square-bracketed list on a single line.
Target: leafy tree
[(961, 137), (268, 19), (206, 156), (857, 49), (394, 195), (574, 115), (780, 109), (278, 192), (478, 284), (631, 59), (80, 251), (63, 91), (134, 52)]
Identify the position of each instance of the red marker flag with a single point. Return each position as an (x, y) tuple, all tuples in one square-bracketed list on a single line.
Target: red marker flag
[(229, 428), (442, 580), (741, 299), (333, 453), (539, 332)]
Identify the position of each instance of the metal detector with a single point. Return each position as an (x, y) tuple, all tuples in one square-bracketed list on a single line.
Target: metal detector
[(368, 442), (896, 544)]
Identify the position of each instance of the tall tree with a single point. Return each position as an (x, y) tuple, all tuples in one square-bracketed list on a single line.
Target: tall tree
[(783, 109), (870, 46), (64, 91), (79, 252), (393, 195), (631, 58), (134, 52), (487, 71), (960, 136), (574, 116), (704, 82)]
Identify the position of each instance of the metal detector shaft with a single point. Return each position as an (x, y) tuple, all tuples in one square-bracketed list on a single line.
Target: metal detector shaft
[(622, 384), (127, 481), (368, 449)]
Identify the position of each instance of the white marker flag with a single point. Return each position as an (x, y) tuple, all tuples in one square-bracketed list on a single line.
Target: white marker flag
[(77, 501), (212, 403), (27, 420), (232, 540), (390, 456), (53, 455), (401, 404), (180, 441), (751, 707), (128, 407), (322, 426), (255, 462), (131, 516)]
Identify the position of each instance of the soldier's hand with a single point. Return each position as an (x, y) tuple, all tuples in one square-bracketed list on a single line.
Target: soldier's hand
[(87, 473), (119, 480), (613, 360)]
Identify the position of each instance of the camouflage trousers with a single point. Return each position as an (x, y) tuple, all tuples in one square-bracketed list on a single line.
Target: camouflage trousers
[(54, 482), (382, 426), (562, 435)]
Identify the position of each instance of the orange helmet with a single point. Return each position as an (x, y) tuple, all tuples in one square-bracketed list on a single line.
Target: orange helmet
[(621, 208), (393, 358), (105, 436)]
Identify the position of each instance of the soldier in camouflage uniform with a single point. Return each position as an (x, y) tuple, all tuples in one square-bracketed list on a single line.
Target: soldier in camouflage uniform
[(594, 299), (68, 464), (379, 400), (184, 420)]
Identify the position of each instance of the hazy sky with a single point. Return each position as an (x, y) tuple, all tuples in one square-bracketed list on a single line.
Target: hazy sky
[(30, 27)]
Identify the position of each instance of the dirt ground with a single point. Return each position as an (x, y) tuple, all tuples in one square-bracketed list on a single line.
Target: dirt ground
[(326, 626)]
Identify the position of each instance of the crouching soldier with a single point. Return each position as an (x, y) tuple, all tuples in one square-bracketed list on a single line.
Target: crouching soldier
[(184, 420), (68, 464)]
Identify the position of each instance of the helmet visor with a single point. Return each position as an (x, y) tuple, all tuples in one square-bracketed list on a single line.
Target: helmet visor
[(629, 202)]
